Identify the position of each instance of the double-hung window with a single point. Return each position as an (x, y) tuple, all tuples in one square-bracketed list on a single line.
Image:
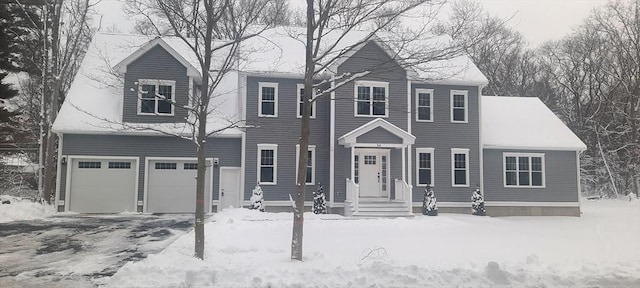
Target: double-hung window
[(156, 97), (371, 99), (311, 164), (301, 102), (459, 167), (424, 105), (267, 171), (424, 166), (267, 99), (524, 170), (459, 106)]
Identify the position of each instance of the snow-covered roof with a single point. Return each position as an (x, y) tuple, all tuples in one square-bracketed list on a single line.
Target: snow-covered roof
[(524, 123), (93, 104)]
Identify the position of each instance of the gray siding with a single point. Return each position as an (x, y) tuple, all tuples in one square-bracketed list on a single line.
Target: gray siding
[(379, 135), (155, 64), (227, 149), (369, 58), (284, 131), (560, 178), (442, 135)]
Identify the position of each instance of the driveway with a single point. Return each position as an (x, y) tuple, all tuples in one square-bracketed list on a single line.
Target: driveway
[(81, 250)]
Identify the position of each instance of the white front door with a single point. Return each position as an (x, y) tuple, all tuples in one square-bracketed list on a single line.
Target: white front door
[(229, 188), (373, 172)]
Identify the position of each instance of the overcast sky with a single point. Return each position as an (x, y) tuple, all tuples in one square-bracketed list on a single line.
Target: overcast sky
[(538, 20)]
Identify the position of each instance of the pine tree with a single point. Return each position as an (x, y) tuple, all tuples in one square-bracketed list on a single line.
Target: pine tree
[(319, 201), (257, 199), (477, 203), (429, 205)]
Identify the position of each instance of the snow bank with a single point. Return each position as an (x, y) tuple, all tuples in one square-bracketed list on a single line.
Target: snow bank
[(251, 249), (22, 209)]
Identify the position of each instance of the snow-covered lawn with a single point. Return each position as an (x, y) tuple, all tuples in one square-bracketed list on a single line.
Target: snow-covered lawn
[(22, 209), (251, 249)]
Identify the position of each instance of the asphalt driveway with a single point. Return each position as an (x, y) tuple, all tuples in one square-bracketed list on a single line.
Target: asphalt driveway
[(81, 250)]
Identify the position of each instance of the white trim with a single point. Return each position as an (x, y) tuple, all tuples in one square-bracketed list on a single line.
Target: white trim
[(243, 140), (332, 142), (517, 171), (464, 151), (578, 177), (121, 67), (59, 170), (466, 105), (350, 138), (273, 147), (409, 122), (446, 204), (147, 160), (157, 84), (480, 151), (313, 104), (417, 166), (67, 192), (273, 85), (371, 84), (579, 149), (191, 95), (240, 192), (312, 148), (449, 82), (424, 91), (530, 204)]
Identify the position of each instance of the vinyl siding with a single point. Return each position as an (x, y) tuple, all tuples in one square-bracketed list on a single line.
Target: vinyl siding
[(228, 150), (561, 183), (442, 135), (284, 131), (369, 58), (379, 135), (155, 64)]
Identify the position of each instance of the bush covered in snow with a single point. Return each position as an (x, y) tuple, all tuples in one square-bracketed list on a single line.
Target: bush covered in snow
[(477, 203), (319, 201), (257, 199), (429, 205)]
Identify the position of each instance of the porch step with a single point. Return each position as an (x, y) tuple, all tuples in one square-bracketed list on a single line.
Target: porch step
[(380, 214), (381, 209)]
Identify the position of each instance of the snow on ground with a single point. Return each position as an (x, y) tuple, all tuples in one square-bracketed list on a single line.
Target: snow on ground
[(251, 249), (22, 209)]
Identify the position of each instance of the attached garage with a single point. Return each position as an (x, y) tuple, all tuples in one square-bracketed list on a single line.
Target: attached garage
[(171, 186), (97, 185)]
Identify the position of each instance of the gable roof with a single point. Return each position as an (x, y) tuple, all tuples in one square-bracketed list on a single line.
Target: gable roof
[(192, 71), (524, 123), (350, 138)]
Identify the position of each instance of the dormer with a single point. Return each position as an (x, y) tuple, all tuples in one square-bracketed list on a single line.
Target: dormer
[(157, 83)]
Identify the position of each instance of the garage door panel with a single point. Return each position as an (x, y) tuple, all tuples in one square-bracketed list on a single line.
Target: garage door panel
[(172, 186), (102, 186)]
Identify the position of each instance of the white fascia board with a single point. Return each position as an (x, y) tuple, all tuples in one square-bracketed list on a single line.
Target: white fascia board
[(140, 133), (559, 148), (530, 204), (450, 82), (350, 137)]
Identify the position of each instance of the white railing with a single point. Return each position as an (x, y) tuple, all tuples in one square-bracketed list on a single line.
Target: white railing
[(353, 190), (404, 192)]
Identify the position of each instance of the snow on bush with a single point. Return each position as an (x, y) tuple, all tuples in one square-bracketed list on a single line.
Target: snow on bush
[(477, 203), (429, 205), (257, 199), (15, 208), (319, 201)]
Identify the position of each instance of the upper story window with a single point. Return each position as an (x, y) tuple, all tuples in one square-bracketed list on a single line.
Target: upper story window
[(459, 167), (300, 102), (156, 97), (424, 105), (371, 99), (267, 99), (424, 166), (459, 106), (524, 170)]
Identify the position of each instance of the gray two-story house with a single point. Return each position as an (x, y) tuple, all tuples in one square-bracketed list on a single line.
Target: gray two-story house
[(376, 141)]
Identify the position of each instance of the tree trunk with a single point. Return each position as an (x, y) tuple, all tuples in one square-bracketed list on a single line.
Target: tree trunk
[(200, 181)]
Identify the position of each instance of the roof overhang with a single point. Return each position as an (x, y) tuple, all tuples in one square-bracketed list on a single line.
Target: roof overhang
[(121, 67), (350, 139)]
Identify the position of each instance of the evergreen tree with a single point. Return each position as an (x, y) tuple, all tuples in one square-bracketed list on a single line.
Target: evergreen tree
[(319, 201), (429, 205), (477, 203), (257, 199)]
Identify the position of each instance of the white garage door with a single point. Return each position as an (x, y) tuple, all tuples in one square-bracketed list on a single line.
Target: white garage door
[(102, 185), (172, 186)]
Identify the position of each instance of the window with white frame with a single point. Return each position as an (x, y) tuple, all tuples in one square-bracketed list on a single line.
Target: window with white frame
[(156, 97), (459, 106), (524, 170), (267, 171), (424, 105), (267, 99), (300, 103), (459, 167), (311, 164), (424, 166), (371, 99)]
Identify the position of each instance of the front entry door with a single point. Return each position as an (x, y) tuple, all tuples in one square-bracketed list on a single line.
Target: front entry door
[(373, 172), (229, 188)]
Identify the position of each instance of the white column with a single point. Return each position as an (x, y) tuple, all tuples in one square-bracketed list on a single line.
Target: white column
[(404, 164), (353, 173)]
